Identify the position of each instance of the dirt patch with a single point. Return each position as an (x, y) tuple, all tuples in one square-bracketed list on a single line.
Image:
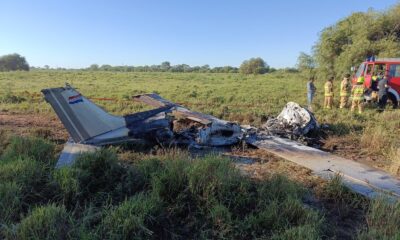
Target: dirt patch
[(48, 126)]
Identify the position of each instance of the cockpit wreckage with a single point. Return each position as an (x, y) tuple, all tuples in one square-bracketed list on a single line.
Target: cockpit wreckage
[(90, 127)]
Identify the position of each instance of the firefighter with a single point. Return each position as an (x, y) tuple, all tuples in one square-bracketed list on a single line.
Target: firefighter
[(328, 93), (358, 95), (345, 89)]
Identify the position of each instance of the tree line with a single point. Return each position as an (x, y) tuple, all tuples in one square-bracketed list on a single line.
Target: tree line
[(352, 40), (14, 62), (163, 67)]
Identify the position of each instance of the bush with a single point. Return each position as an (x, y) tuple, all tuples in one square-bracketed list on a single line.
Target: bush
[(171, 181), (97, 176), (10, 202), (135, 218), (34, 148), (31, 176), (47, 222), (214, 179)]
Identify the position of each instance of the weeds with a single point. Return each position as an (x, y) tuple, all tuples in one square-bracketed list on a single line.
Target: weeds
[(34, 148), (135, 218), (10, 202), (383, 220), (164, 196), (47, 222)]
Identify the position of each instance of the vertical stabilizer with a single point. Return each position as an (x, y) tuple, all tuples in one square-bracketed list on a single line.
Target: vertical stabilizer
[(82, 118)]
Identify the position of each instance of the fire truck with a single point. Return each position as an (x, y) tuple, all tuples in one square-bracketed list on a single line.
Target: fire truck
[(390, 67)]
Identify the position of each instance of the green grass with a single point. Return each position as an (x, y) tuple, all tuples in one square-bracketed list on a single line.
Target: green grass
[(246, 99), (168, 196), (383, 220), (182, 197)]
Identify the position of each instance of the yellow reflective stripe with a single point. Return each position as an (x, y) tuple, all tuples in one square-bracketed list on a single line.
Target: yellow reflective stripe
[(328, 90), (358, 92)]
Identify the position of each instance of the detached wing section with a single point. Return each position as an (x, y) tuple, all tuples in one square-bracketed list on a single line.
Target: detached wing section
[(83, 119)]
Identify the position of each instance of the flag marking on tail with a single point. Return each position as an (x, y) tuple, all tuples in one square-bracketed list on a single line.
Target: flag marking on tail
[(75, 99)]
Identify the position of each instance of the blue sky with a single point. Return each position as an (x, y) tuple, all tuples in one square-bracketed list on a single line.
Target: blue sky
[(77, 33)]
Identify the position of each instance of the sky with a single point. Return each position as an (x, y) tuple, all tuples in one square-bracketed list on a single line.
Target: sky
[(78, 33)]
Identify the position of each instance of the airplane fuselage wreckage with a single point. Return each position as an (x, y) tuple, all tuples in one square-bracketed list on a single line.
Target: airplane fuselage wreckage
[(91, 127)]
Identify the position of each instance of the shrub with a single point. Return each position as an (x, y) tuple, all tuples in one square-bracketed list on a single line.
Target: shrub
[(31, 176), (148, 168), (214, 179), (279, 188), (171, 181), (97, 176), (135, 218), (47, 222), (10, 202), (34, 148)]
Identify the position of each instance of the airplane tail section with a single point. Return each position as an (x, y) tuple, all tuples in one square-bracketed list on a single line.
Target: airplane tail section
[(82, 118)]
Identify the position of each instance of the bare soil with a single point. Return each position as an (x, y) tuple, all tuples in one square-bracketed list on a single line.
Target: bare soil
[(33, 124)]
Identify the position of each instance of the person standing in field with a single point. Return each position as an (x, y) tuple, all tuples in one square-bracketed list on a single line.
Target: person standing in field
[(358, 95), (311, 89), (382, 92), (328, 94), (345, 89)]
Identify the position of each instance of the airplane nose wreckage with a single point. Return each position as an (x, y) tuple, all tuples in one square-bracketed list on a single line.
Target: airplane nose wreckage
[(91, 127)]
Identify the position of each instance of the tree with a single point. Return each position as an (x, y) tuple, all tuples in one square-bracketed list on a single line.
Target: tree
[(13, 62), (254, 66), (94, 67), (356, 37), (165, 66), (305, 62)]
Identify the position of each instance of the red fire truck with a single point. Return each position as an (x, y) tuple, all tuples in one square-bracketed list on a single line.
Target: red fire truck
[(390, 67)]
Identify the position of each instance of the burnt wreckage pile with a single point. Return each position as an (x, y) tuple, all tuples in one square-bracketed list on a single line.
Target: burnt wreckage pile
[(194, 128), (294, 122), (198, 129)]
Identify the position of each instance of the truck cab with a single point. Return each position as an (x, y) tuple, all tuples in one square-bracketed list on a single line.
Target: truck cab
[(390, 67)]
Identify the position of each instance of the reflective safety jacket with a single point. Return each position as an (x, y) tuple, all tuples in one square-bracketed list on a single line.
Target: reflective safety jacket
[(345, 88), (358, 92), (328, 89)]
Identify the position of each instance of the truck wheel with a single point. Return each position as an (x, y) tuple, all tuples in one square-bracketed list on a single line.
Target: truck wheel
[(393, 99)]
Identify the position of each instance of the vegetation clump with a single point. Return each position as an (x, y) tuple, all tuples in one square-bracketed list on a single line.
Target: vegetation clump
[(167, 196)]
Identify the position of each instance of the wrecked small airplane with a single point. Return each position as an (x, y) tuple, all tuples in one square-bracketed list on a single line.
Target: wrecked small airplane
[(90, 126)]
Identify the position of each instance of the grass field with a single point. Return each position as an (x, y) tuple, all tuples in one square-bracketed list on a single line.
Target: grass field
[(246, 99), (172, 195)]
